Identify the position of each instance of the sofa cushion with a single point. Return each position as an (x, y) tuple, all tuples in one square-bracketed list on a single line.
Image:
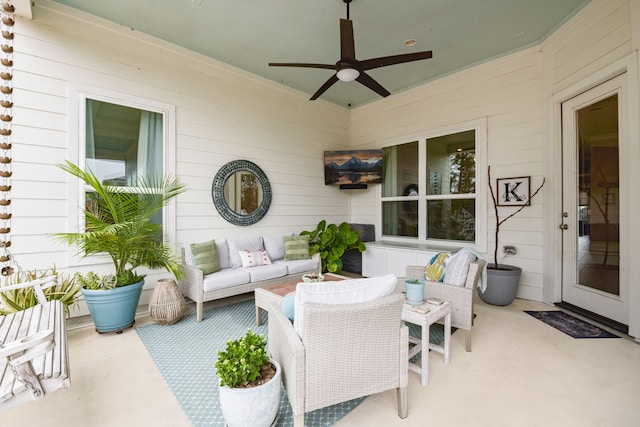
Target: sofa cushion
[(225, 278), (296, 247), (235, 246), (274, 245), (254, 258), (301, 266), (223, 253), (265, 272), (342, 292), (205, 256), (455, 273)]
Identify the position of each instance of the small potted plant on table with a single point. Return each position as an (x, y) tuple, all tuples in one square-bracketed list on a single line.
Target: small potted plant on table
[(249, 382)]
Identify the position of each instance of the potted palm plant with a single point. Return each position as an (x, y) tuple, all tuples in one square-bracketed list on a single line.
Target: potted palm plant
[(121, 224), (249, 382), (502, 279)]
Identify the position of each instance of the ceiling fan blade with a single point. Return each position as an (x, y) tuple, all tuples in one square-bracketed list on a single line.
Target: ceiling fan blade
[(293, 64), (347, 44), (368, 81), (324, 87), (369, 64)]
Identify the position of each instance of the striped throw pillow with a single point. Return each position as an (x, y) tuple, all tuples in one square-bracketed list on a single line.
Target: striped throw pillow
[(296, 247), (205, 256)]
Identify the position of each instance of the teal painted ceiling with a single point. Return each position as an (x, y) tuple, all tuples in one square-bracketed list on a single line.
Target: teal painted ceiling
[(248, 34)]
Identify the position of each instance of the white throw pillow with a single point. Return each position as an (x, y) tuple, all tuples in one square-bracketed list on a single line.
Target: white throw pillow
[(254, 258), (340, 292), (457, 268)]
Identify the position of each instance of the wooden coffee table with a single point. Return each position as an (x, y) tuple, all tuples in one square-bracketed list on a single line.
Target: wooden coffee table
[(275, 293)]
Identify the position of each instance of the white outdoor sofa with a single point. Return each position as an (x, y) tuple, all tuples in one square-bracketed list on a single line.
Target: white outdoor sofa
[(233, 279)]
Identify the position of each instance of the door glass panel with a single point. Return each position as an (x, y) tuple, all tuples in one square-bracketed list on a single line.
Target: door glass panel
[(598, 201)]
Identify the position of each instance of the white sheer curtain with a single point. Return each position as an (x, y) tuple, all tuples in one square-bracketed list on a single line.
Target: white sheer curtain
[(390, 184), (390, 217), (89, 138), (150, 144)]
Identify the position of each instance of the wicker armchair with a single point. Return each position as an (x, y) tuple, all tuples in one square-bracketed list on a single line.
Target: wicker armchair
[(348, 351), (460, 297)]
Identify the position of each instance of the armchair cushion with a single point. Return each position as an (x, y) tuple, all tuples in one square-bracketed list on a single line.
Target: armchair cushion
[(455, 273), (435, 270), (342, 292)]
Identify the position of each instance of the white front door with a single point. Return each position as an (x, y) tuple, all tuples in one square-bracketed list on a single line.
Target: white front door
[(594, 183)]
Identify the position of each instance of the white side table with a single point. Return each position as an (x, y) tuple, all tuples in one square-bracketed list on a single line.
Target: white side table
[(436, 312)]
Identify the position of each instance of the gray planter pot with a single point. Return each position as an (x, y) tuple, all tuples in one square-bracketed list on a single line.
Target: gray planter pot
[(502, 285)]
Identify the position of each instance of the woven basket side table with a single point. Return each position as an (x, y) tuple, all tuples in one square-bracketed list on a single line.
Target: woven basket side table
[(167, 304)]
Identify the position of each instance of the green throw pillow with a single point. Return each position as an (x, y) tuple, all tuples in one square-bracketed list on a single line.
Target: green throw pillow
[(296, 247), (205, 256)]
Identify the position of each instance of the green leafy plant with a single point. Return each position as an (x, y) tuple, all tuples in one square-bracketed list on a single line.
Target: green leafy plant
[(413, 281), (67, 291), (240, 364), (120, 223), (94, 281), (332, 241)]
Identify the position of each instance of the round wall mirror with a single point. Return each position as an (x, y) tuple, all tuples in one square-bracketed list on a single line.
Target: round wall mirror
[(241, 192)]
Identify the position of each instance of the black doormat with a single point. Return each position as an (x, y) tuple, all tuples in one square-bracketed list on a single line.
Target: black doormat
[(570, 325)]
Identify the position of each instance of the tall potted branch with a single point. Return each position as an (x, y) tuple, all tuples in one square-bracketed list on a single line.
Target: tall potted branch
[(502, 279), (120, 224)]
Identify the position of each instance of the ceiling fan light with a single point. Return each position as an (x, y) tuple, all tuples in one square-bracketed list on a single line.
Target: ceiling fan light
[(348, 74)]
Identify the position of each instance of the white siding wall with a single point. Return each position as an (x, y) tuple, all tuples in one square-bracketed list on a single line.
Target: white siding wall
[(513, 93), (222, 114), (508, 93), (225, 114)]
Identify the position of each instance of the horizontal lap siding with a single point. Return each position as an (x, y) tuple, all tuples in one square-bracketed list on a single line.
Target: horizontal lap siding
[(508, 93), (511, 94), (222, 114), (596, 38)]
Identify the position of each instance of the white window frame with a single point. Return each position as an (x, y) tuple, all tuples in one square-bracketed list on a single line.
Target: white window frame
[(78, 95), (481, 193)]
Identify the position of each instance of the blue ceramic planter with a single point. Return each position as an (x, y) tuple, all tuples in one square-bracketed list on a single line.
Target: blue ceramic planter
[(415, 292), (114, 309)]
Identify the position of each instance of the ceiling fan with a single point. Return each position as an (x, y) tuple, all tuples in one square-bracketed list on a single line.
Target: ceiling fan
[(348, 68)]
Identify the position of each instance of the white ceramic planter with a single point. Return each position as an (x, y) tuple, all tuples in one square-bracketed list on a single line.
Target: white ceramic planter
[(252, 407)]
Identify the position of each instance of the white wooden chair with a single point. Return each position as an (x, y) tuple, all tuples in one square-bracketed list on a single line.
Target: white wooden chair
[(33, 348)]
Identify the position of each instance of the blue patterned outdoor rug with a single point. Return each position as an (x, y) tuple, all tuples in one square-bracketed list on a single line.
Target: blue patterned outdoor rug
[(185, 352), (570, 325)]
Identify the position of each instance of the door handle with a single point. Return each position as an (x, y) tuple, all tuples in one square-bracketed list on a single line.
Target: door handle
[(564, 227)]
